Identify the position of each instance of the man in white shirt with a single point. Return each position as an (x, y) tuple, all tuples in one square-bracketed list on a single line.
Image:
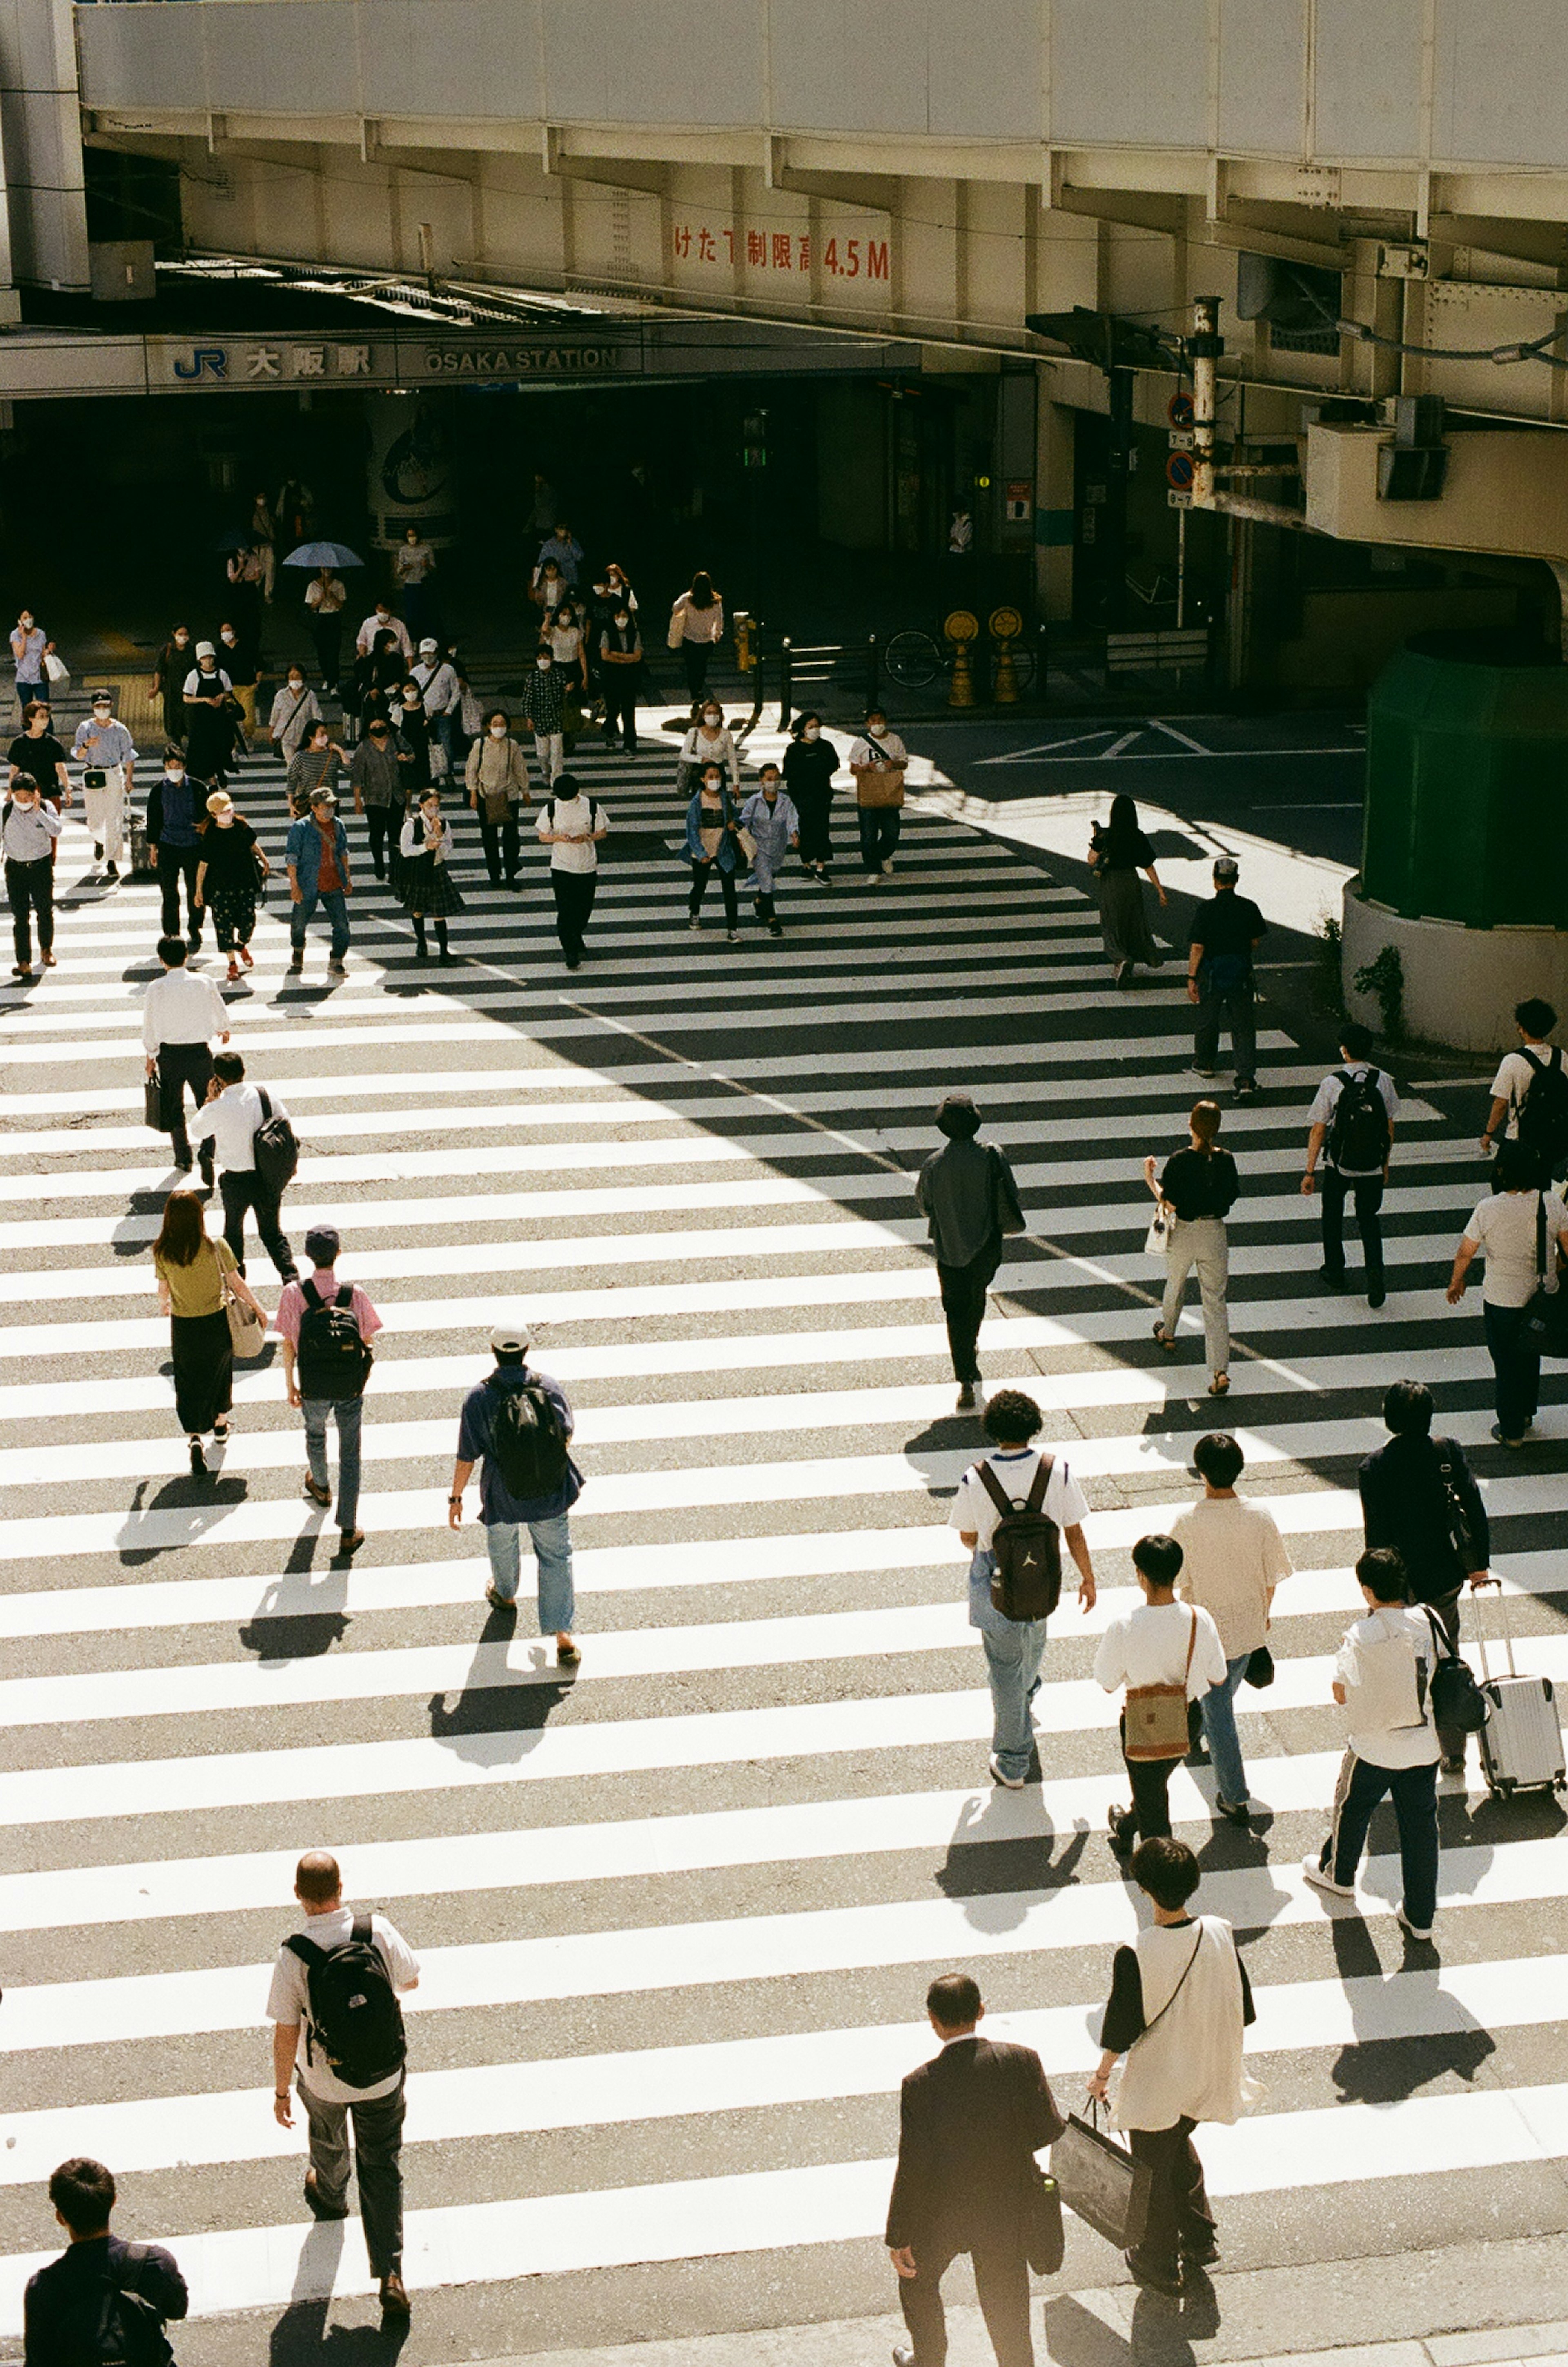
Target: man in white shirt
[(1351, 1124), (229, 1120), (1382, 1680), (1013, 1648), (300, 2046), (1166, 1644), (381, 620), (442, 695), (181, 1012), (1519, 1227), (1546, 1126), (28, 833), (103, 744), (1233, 1558), (571, 826)]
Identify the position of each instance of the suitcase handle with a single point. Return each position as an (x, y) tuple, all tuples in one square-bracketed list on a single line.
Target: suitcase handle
[(1508, 1628)]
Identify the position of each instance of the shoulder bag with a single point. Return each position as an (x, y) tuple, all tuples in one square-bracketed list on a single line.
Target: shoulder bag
[(1545, 1323), (1156, 1715), (247, 1333), (1458, 1706), (1461, 1533), (152, 1102), (1100, 2181), (879, 785), (1157, 1240)]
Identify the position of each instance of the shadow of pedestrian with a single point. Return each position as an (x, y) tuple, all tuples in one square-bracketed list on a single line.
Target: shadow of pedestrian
[(180, 1515), (1000, 1858), (1409, 2030), (1161, 2332), (306, 2337), (500, 1705)]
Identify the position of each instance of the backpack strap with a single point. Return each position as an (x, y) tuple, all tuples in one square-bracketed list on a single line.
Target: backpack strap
[(1540, 1067), (360, 1931), (993, 1486), (344, 1295), (264, 1098), (1035, 1501), (311, 1294), (309, 1954)]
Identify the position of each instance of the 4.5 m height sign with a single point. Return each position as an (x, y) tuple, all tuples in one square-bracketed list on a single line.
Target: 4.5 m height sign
[(833, 252)]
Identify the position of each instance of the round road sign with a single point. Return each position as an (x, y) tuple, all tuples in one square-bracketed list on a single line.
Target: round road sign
[(1180, 471), (1179, 410)]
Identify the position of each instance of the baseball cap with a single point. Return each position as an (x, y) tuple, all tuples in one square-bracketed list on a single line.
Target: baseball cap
[(205, 649), (322, 797), (509, 1336), (431, 645), (219, 802), (322, 1243), (1226, 867), (103, 699)]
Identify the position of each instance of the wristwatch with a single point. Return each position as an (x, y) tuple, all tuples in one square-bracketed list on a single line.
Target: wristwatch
[(454, 1499)]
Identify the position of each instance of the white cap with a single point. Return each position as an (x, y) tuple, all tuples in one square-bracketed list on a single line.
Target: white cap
[(205, 649), (430, 645), (509, 1335)]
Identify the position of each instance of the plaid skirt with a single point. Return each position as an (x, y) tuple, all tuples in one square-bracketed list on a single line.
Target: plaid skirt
[(427, 887)]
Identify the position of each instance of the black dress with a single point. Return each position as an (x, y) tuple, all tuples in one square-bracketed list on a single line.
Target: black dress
[(808, 769), (232, 881), (1122, 855)]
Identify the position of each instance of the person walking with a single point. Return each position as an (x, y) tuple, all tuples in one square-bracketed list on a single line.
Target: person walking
[(547, 588), (620, 664), (496, 776), (106, 754), (1165, 1656), (1233, 1558), (562, 550), (809, 764), (1350, 1137), (295, 709), (263, 542), (326, 1327), (100, 2284), (1522, 1228), (426, 888), (195, 1277), (375, 774), (1196, 1193), (1224, 940), (176, 804), (169, 669), (181, 1012), (543, 710), (30, 833), (1116, 855), (565, 629), (411, 727), (713, 846), (233, 867), (1529, 1092), (572, 826), (238, 651), (30, 643), (338, 2036), (773, 822), (413, 564), (1005, 1483), (436, 677), (326, 597), (36, 752), (229, 1121), (877, 760), (1382, 1680), (708, 741), (1418, 1496), (379, 678), (382, 621), (210, 715), (967, 1195), (1179, 2002), (316, 851), (517, 1424), (320, 763), (697, 628), (971, 2122)]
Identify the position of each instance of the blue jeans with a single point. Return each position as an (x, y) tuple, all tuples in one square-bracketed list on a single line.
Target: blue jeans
[(552, 1551), (1013, 1650), (350, 1412), (304, 912), (1219, 1731)]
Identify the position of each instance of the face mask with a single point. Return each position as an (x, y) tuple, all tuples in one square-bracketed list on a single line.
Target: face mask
[(874, 731), (26, 623), (182, 641), (543, 664), (621, 623), (295, 682), (173, 776), (100, 714), (812, 730), (227, 640), (712, 720), (498, 730)]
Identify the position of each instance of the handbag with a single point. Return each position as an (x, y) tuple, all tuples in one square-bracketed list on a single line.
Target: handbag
[(1101, 2183), (1545, 1320), (1458, 1706), (1259, 1668), (1157, 1240), (1044, 2242), (55, 668), (879, 785), (152, 1102), (1155, 1719), (748, 844), (677, 633), (247, 1333)]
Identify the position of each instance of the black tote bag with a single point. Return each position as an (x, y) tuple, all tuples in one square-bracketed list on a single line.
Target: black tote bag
[(1100, 2181)]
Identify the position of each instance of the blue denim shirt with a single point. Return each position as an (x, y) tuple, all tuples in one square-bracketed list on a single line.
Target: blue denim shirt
[(474, 1434), (304, 851), (697, 821)]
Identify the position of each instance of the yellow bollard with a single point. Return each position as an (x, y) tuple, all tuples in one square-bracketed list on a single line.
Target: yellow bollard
[(960, 628), (1005, 625)]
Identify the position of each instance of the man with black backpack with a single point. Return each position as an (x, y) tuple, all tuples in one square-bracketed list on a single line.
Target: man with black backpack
[(104, 2300), (1012, 1510), (257, 1154), (517, 1425), (1351, 1124), (326, 1328), (1529, 1092), (338, 2033)]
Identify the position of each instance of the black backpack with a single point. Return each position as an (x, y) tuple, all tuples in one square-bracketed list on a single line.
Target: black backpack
[(274, 1148), (1543, 1113), (527, 1441), (1358, 1131), (335, 1358), (356, 2024), (1026, 1546), (126, 2330), (1458, 1706)]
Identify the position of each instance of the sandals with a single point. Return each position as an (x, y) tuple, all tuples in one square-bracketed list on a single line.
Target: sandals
[(1220, 1386), (1163, 1336)]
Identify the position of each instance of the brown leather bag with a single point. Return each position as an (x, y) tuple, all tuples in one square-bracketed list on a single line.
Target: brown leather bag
[(1156, 1715), (879, 785)]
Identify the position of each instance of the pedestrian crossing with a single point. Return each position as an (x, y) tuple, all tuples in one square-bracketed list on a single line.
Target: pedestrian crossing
[(676, 1914)]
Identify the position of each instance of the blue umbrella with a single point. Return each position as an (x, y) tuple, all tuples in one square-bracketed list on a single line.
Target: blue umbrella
[(323, 554)]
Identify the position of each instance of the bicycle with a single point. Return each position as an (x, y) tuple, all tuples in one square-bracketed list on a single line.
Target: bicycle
[(916, 658)]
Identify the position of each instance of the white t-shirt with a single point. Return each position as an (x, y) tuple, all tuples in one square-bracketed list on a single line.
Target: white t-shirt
[(288, 2000), (577, 814), (973, 1510), (231, 1120), (1148, 1647), (1390, 1714), (1504, 1226), (1234, 1554), (1514, 1078), (888, 749), (1328, 1101)]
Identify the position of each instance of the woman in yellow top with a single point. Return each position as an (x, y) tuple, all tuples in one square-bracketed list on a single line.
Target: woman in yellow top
[(192, 1272)]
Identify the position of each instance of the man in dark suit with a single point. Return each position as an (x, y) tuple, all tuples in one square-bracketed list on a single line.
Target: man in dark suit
[(971, 2122)]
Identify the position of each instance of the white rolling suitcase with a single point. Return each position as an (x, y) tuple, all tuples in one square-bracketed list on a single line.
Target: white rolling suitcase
[(1521, 1742)]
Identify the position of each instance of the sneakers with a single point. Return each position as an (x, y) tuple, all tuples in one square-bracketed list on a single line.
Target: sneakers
[(1154, 2276), (1010, 1783), (1321, 1879), (887, 869), (966, 1400), (694, 922), (1411, 1930), (775, 929), (732, 937), (337, 967), (1501, 1435), (1247, 1088)]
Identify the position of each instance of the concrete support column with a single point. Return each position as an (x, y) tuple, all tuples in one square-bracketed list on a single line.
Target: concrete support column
[(1055, 513)]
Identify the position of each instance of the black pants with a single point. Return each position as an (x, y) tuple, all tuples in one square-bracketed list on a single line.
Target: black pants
[(174, 864), (964, 1289), (816, 826), (619, 686), (1179, 2218), (879, 828), (1515, 1365), (1332, 1189), (381, 825), (1001, 2281), (1149, 1779), (762, 905), (695, 657), (327, 634), (700, 874), (29, 888), (501, 845), (574, 892), (1230, 1006), (241, 1188), (180, 1065)]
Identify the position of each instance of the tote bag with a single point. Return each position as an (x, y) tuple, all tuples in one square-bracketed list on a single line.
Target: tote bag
[(1101, 2183), (247, 1333)]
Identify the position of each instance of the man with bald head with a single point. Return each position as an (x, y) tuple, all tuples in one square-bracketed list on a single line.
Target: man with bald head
[(338, 2032)]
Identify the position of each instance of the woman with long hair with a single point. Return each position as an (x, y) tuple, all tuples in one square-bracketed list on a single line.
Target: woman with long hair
[(1116, 855), (195, 1274), (1197, 1190), (696, 627), (497, 778), (425, 886), (809, 764)]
